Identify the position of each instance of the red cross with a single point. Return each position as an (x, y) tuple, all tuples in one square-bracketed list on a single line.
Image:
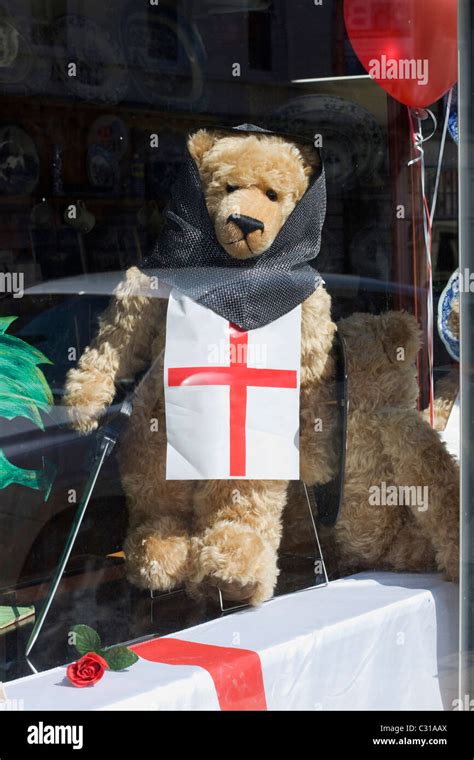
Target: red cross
[(238, 376)]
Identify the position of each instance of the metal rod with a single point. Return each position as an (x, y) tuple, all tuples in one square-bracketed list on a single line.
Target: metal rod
[(107, 445), (316, 532)]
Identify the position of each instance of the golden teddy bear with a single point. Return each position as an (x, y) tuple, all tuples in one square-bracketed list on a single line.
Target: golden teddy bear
[(194, 532)]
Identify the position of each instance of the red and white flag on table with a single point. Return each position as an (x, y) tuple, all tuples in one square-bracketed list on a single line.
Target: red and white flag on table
[(232, 396)]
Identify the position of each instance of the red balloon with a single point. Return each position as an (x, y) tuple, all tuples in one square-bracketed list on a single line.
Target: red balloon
[(409, 47)]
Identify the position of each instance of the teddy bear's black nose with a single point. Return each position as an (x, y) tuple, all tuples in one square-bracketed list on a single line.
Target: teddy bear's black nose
[(246, 224)]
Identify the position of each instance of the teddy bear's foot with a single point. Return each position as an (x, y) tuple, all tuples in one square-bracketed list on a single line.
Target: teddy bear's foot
[(232, 591), (410, 551), (237, 560), (157, 554)]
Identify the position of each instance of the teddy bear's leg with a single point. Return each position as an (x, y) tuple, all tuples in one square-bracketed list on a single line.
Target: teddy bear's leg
[(157, 553), (157, 547), (364, 532), (412, 551), (430, 478), (238, 526)]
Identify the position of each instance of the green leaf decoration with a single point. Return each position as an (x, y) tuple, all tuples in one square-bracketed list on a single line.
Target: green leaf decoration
[(87, 640), (5, 323), (119, 658), (41, 480), (24, 391)]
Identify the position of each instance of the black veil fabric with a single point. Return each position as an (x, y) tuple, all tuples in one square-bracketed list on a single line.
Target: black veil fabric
[(250, 293)]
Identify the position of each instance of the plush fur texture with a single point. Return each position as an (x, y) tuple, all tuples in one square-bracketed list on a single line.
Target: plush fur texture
[(195, 532)]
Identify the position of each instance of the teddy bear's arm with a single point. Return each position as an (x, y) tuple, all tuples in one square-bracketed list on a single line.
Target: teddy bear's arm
[(120, 350), (318, 414)]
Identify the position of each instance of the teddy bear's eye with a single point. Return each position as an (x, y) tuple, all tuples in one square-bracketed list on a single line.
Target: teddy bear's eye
[(272, 195), (232, 188)]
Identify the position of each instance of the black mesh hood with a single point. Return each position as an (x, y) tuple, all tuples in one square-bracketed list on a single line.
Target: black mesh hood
[(252, 292)]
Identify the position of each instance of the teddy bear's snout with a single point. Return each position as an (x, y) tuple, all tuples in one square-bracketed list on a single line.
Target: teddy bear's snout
[(246, 224), (244, 236)]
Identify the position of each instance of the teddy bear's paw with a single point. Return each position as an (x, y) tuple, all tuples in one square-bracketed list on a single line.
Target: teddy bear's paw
[(90, 388), (81, 420), (157, 555), (237, 560)]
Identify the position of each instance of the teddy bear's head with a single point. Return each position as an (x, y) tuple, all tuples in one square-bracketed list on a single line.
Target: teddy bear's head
[(381, 358), (252, 184)]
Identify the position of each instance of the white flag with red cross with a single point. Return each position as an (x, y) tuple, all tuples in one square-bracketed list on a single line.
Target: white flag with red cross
[(232, 396)]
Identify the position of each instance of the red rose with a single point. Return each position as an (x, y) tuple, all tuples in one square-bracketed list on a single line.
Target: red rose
[(87, 671)]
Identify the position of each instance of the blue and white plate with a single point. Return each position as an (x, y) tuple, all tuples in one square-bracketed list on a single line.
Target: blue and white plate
[(25, 57), (102, 167), (19, 162), (453, 116), (165, 56), (445, 307), (111, 133), (102, 75), (353, 142)]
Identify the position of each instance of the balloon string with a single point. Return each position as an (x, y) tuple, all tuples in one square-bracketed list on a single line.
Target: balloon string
[(428, 217), (430, 310), (417, 137), (418, 140), (440, 155)]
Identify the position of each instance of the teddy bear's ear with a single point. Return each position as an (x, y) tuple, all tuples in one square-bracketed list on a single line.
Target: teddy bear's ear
[(311, 159), (199, 143), (399, 330)]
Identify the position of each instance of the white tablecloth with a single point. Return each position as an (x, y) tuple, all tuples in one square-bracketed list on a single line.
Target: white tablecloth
[(374, 641)]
